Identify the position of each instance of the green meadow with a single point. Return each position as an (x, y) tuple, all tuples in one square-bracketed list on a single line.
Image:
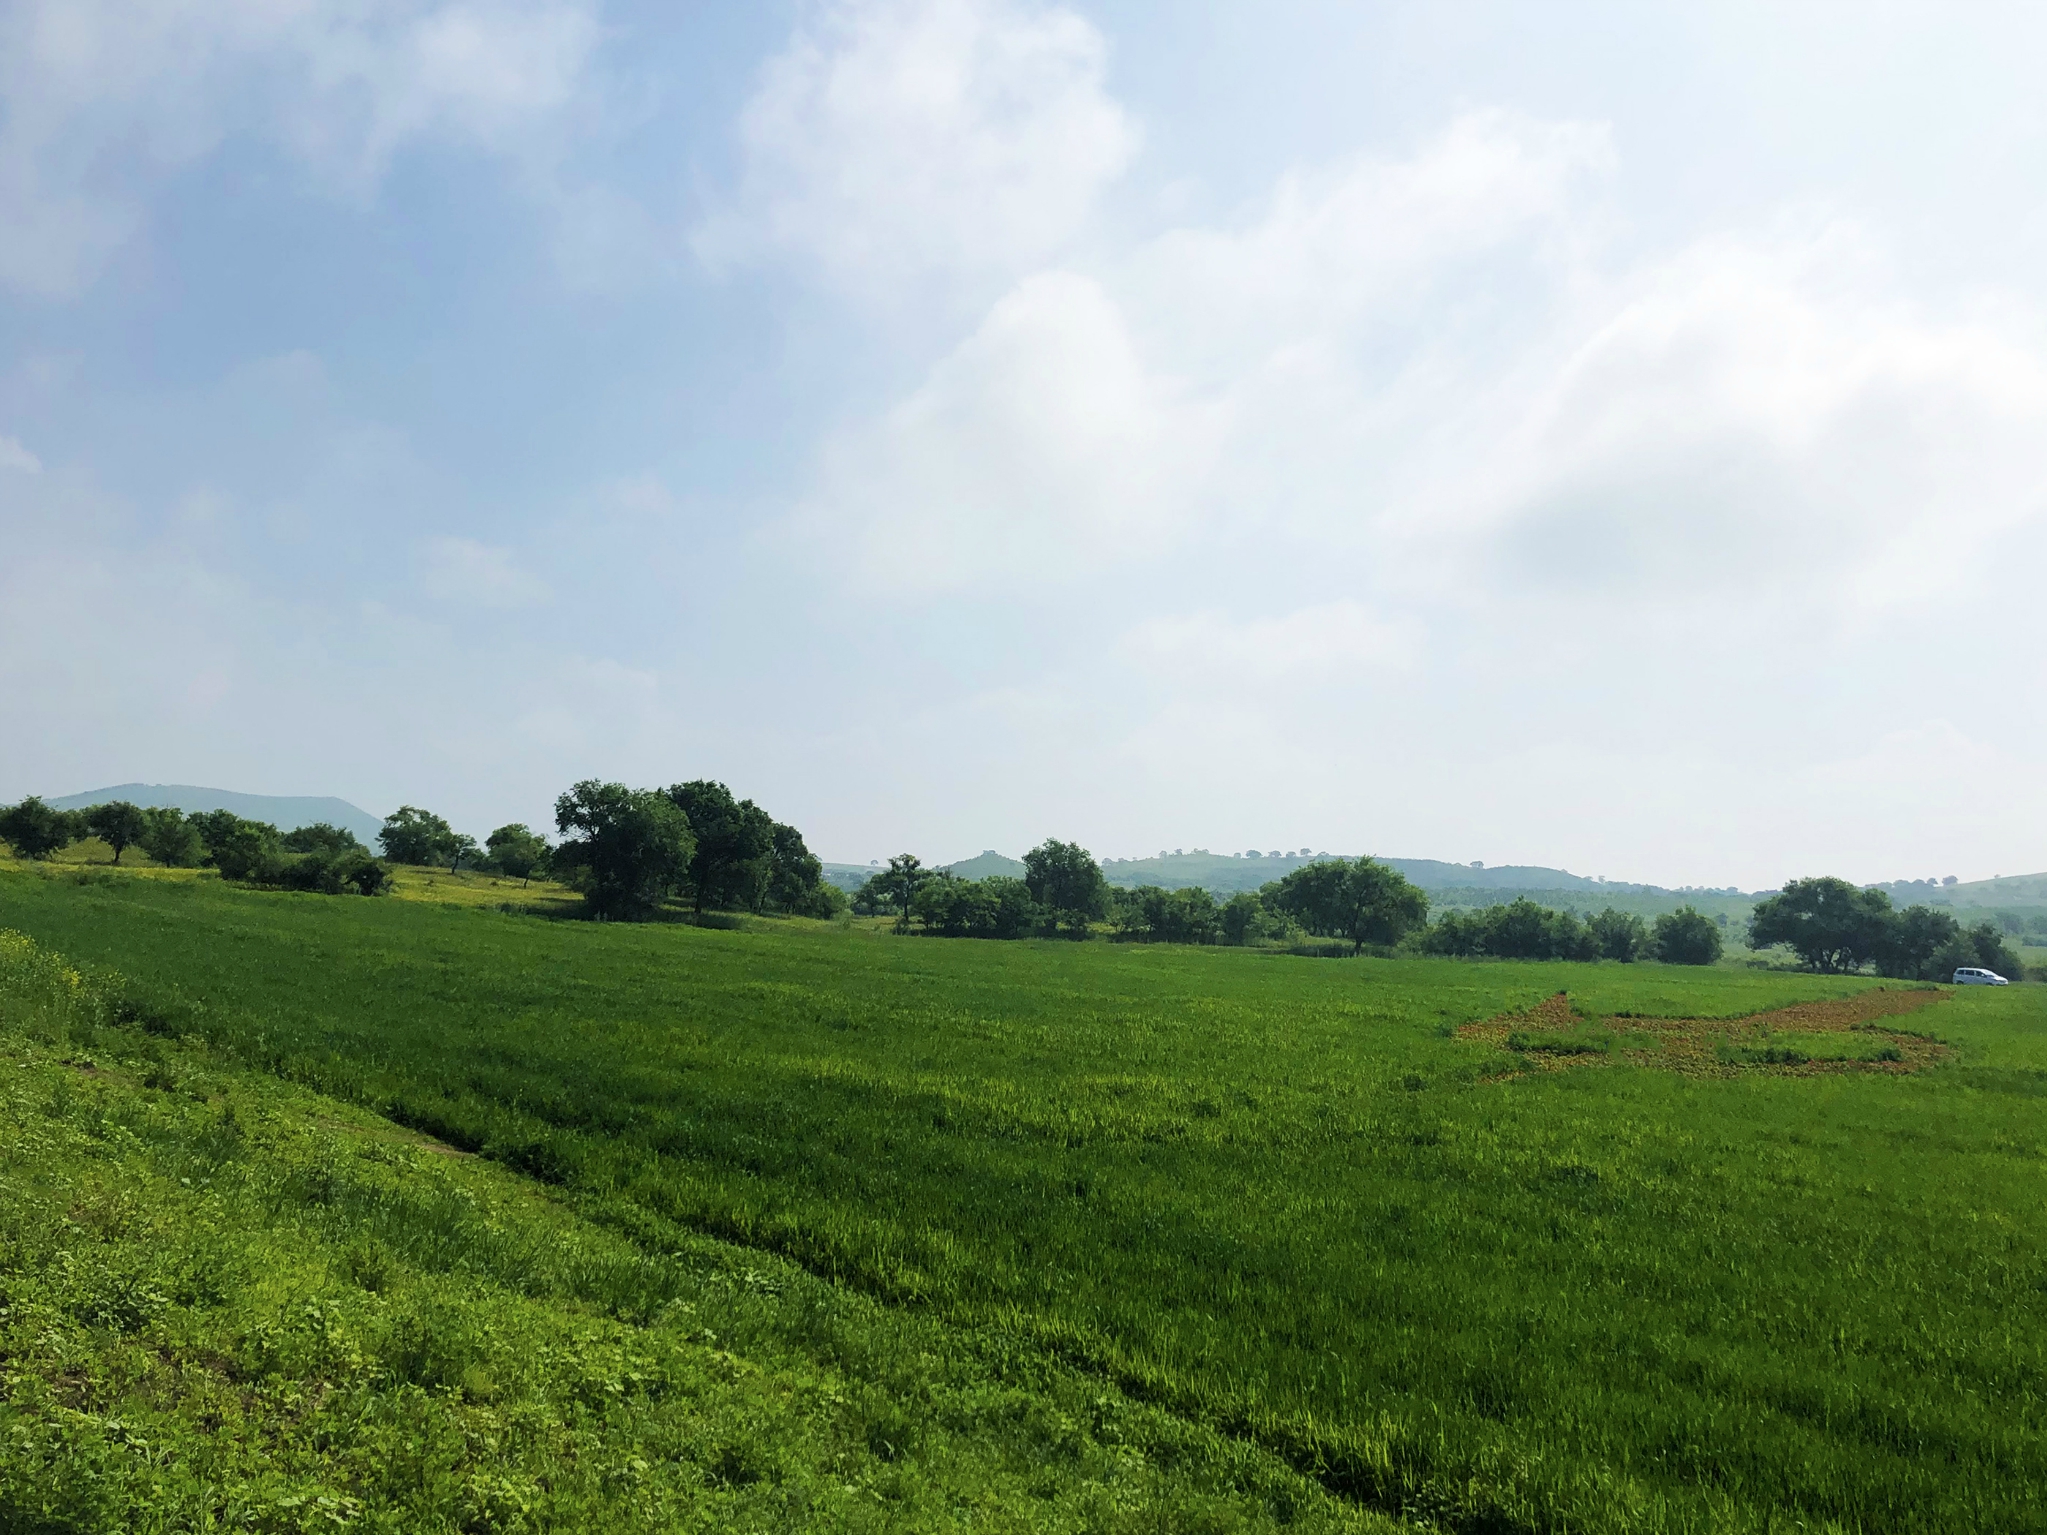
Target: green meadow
[(1277, 1203)]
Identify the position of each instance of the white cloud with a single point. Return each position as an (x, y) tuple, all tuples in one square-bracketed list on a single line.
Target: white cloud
[(104, 98), (14, 456), (480, 575), (1758, 413), (1040, 447), (895, 141), (1211, 381), (1341, 379)]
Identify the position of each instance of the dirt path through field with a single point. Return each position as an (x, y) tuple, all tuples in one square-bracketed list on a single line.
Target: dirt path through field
[(1806, 1039)]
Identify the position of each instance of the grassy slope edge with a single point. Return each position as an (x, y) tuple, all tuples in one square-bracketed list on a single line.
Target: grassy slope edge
[(227, 1303)]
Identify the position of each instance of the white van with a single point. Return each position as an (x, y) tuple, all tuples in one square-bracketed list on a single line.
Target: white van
[(1969, 976)]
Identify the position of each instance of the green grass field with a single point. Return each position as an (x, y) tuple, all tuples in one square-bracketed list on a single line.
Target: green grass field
[(1280, 1199)]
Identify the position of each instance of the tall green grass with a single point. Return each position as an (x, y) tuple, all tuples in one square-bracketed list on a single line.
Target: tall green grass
[(1273, 1194), (229, 1305)]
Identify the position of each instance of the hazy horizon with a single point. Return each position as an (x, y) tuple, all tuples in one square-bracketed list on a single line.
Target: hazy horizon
[(1604, 437)]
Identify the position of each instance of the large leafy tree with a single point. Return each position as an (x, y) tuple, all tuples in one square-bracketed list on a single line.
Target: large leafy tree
[(1620, 935), (239, 849), (322, 838), (1914, 943), (36, 830), (1065, 880), (1829, 924), (1687, 936), (1363, 901), (627, 850), (416, 836), (170, 839), (796, 875), (516, 850), (895, 888), (735, 840), (118, 824)]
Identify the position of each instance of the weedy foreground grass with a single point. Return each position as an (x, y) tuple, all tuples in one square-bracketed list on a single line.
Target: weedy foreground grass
[(1282, 1198), (228, 1304)]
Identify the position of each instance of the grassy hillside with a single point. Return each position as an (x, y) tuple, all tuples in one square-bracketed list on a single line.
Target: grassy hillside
[(227, 1303), (1301, 1203)]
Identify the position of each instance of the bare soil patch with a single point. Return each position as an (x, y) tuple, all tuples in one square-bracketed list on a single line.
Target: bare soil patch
[(1846, 1034)]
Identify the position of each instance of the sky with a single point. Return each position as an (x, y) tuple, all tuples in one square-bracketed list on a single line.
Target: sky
[(1604, 436)]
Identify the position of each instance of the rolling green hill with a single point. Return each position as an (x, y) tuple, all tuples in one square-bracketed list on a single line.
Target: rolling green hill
[(1494, 1276)]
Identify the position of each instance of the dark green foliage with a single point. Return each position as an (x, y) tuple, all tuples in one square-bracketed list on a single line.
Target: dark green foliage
[(1151, 915), (322, 838), (416, 836), (1981, 945), (323, 871), (1281, 1197), (170, 839), (1620, 935), (1686, 937), (1831, 925), (462, 849), (1518, 930), (118, 824), (35, 830), (323, 860), (516, 851), (249, 850), (630, 850), (796, 883), (1244, 918), (1364, 902), (1916, 941), (997, 907), (734, 839), (1067, 884)]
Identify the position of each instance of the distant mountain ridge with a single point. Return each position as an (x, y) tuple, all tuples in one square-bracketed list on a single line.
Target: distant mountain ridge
[(285, 812)]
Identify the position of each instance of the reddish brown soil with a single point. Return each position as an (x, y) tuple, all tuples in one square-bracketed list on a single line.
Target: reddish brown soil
[(1693, 1046)]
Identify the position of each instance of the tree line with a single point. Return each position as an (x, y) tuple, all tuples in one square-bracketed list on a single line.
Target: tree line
[(1838, 928), (1360, 902), (628, 852), (329, 860)]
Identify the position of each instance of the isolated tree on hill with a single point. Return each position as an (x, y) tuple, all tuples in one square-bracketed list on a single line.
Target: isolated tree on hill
[(322, 838), (415, 836), (1620, 935), (36, 830), (1687, 937), (169, 838), (627, 850), (1065, 880), (516, 850), (1363, 901), (1830, 924), (118, 824), (895, 888)]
